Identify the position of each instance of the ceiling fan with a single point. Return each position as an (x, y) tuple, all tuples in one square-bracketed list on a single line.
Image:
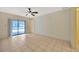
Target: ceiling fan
[(29, 11)]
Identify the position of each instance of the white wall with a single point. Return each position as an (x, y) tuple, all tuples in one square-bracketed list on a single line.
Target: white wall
[(4, 23), (58, 24)]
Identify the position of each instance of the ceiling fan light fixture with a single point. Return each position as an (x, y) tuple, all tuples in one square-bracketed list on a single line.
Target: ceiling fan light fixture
[(29, 11)]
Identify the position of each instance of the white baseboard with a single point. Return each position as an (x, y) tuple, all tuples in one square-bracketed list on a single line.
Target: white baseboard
[(49, 36)]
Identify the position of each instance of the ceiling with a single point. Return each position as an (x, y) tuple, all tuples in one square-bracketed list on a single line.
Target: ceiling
[(22, 10)]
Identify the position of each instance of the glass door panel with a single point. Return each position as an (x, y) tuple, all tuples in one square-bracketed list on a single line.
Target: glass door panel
[(21, 27), (14, 27), (17, 27)]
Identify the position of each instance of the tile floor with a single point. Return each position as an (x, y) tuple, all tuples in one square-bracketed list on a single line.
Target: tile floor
[(34, 43)]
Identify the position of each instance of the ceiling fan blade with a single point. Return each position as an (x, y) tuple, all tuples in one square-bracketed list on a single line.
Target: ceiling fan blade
[(29, 10), (26, 14), (32, 14), (35, 12)]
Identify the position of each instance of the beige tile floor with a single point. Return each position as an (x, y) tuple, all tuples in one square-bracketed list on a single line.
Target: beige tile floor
[(34, 43)]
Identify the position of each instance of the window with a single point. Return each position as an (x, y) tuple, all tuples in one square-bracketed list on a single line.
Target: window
[(17, 27)]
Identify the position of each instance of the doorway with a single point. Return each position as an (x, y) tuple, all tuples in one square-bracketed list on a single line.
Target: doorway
[(17, 27)]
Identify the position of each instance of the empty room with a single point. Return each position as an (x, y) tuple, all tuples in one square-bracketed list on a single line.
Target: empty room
[(39, 29)]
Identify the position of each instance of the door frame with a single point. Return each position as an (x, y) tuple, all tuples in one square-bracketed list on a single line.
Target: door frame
[(75, 40), (77, 28)]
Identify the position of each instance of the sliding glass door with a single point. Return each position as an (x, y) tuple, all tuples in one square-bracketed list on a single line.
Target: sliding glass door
[(17, 27), (13, 27), (21, 27)]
